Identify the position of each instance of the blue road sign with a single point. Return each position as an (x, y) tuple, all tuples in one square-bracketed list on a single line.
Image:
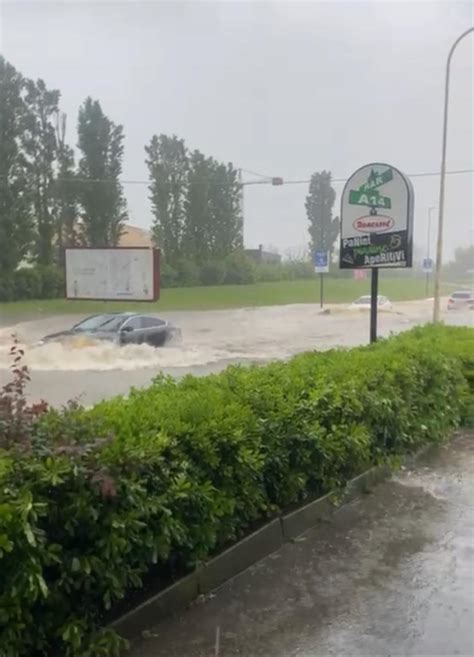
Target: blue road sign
[(427, 265), (321, 262)]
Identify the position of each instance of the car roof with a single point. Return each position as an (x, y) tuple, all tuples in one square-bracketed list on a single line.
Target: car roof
[(367, 296), (126, 315)]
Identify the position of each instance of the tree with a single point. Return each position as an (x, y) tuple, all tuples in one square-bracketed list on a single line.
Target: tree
[(65, 191), (323, 227), (226, 226), (168, 166), (462, 267), (213, 225), (40, 149), (99, 190), (15, 217), (197, 228)]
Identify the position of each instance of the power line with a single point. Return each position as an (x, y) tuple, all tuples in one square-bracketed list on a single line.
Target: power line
[(425, 174), (254, 173), (264, 181)]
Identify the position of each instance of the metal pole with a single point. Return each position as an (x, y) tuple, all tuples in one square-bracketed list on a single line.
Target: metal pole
[(428, 250), (439, 245), (374, 298), (321, 290)]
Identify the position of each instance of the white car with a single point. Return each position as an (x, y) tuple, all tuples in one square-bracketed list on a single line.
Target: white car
[(363, 303), (461, 300)]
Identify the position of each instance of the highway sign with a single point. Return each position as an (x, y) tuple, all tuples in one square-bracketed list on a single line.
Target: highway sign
[(380, 236)]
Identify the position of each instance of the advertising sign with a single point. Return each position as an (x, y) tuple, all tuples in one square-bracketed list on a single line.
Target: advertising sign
[(376, 219), (321, 262), (112, 274)]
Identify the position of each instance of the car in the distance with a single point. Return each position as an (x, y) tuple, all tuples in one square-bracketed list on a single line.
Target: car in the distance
[(121, 329), (363, 303), (461, 300)]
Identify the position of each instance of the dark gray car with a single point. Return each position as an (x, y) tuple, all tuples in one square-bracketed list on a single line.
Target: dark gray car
[(121, 328)]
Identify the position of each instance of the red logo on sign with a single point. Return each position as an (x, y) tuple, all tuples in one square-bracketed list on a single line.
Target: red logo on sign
[(373, 224)]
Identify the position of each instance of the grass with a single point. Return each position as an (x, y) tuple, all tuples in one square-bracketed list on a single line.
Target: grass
[(336, 290)]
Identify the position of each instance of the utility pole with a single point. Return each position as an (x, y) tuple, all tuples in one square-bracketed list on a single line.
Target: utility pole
[(439, 245)]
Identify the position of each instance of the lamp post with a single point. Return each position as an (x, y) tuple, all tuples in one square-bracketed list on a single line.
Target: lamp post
[(439, 245), (428, 249)]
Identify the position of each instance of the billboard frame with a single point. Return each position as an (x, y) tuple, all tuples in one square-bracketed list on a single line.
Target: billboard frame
[(156, 272)]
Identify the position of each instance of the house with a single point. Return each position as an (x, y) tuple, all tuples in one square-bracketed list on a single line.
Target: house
[(135, 236), (263, 257)]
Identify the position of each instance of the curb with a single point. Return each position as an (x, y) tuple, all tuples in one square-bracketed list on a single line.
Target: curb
[(149, 613), (364, 482), (308, 516), (239, 557), (270, 538)]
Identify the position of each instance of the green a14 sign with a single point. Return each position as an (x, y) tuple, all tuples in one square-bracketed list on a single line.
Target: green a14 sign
[(381, 234)]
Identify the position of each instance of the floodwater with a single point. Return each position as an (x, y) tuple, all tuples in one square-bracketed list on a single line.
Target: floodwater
[(88, 371), (390, 575)]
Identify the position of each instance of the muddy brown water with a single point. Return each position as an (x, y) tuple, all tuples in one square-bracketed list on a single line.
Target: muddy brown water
[(92, 371)]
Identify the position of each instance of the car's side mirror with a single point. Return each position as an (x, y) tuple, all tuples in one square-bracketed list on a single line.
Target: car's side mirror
[(127, 329)]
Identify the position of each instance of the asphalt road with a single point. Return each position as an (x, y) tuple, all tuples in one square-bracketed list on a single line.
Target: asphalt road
[(392, 574), (211, 340)]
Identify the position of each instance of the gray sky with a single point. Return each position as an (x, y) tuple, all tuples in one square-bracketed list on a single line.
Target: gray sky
[(283, 88)]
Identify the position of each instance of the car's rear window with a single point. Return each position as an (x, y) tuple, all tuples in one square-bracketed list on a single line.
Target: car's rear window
[(461, 295)]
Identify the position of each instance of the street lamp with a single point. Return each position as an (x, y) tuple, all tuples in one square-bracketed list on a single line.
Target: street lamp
[(439, 245), (428, 249)]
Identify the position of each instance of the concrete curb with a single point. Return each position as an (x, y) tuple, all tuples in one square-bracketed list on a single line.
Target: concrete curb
[(299, 521), (239, 557), (364, 482), (270, 538), (149, 613)]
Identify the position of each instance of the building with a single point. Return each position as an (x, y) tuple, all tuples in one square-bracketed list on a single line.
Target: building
[(135, 236), (263, 257)]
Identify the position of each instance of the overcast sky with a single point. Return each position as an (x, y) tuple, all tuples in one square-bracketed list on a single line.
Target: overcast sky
[(281, 88)]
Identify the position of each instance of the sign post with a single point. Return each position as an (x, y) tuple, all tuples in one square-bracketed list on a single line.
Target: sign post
[(382, 235), (428, 269), (321, 267)]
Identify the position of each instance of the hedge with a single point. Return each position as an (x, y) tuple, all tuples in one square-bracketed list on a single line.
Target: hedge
[(184, 468), (32, 283)]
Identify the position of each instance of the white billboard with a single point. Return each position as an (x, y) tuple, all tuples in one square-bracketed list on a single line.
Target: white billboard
[(112, 274)]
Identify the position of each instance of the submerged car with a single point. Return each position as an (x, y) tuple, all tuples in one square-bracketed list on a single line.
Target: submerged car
[(363, 303), (461, 300), (120, 328)]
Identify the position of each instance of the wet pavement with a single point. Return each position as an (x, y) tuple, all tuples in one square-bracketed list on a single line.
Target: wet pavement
[(391, 574)]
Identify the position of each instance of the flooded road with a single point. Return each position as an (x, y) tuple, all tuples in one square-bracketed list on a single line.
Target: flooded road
[(211, 340), (391, 574)]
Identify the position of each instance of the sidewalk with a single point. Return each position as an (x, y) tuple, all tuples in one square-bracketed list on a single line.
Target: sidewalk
[(392, 574)]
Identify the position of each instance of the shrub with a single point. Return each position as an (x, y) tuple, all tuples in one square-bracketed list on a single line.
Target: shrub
[(52, 282), (188, 273), (239, 270), (168, 276), (212, 273), (299, 269), (27, 283), (32, 283), (192, 465), (269, 273), (7, 290)]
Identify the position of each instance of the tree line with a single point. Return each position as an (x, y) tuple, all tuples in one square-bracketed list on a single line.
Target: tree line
[(52, 196)]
